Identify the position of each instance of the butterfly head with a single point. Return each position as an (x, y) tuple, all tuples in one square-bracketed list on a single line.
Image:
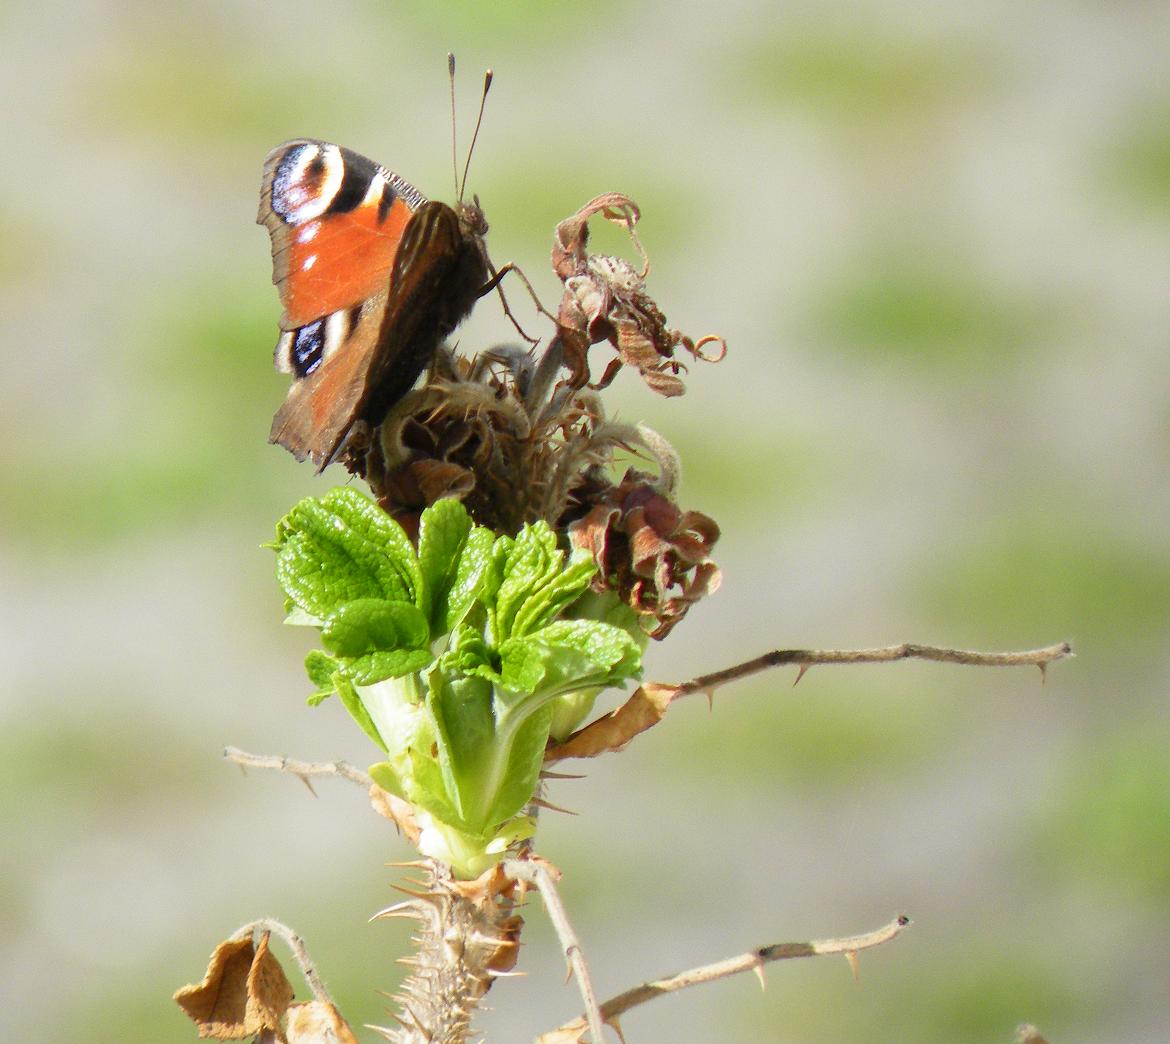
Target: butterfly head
[(471, 217)]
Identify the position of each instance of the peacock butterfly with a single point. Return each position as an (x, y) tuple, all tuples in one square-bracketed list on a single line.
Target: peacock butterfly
[(372, 276)]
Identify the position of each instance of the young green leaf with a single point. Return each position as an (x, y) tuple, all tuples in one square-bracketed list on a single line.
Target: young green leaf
[(568, 655), (528, 565), (356, 708), (545, 603), (374, 625), (442, 534), (342, 548), (466, 586), (392, 663)]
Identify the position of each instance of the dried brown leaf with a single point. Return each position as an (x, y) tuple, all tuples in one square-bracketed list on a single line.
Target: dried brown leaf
[(243, 993), (642, 711), (318, 1022), (269, 991)]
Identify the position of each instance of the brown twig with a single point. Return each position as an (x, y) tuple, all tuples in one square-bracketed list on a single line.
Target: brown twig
[(753, 961), (539, 877), (297, 945), (806, 658), (303, 770)]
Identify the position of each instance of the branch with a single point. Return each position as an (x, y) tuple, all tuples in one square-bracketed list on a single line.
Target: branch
[(754, 961), (297, 945), (303, 770), (650, 702), (806, 658), (539, 877)]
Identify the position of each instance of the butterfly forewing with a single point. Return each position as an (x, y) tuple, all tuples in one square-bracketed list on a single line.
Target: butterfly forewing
[(336, 220), (372, 277)]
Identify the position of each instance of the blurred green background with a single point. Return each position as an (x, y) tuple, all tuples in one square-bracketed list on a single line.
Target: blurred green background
[(938, 243)]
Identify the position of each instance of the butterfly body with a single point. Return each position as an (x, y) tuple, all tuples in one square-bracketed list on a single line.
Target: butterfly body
[(372, 276)]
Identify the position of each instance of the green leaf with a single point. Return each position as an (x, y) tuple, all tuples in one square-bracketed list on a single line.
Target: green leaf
[(320, 667), (465, 728), (442, 533), (468, 582), (416, 785), (551, 598), (522, 774), (568, 655), (532, 562), (343, 548), (467, 651), (356, 708), (394, 663), (368, 625)]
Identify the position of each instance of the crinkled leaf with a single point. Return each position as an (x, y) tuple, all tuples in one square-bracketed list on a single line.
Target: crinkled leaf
[(546, 602), (568, 655), (366, 517), (532, 562), (378, 666), (320, 667), (442, 533), (466, 652), (342, 548), (470, 572), (356, 708), (369, 625)]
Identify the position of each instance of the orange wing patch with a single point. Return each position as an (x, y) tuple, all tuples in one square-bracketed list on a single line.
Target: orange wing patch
[(339, 260)]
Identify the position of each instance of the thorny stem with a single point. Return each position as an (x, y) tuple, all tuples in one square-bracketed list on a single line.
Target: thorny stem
[(753, 960), (303, 770), (805, 658), (297, 945), (539, 877)]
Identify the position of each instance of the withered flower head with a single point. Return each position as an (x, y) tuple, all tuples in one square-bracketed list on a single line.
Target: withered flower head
[(656, 556), (605, 299)]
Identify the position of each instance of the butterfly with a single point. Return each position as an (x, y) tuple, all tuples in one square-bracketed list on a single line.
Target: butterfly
[(372, 276)]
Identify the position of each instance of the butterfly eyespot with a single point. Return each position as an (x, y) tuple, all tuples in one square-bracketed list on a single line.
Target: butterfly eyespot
[(307, 179)]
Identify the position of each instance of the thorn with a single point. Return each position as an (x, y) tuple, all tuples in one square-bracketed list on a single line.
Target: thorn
[(506, 974), (710, 694), (617, 1028), (551, 807), (407, 908), (759, 973), (414, 895), (800, 673), (550, 774), (854, 963), (305, 780), (1043, 673)]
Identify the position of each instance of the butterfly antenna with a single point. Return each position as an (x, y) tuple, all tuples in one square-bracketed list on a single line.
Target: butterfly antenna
[(454, 151), (487, 83)]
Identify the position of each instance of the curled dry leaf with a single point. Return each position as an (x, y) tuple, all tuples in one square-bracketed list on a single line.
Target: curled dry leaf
[(243, 993), (642, 711), (655, 555), (605, 299), (317, 1022)]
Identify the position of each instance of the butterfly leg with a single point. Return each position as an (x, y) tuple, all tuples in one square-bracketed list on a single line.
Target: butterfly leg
[(494, 284)]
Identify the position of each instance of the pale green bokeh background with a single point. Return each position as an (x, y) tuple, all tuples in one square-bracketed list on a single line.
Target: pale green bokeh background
[(938, 244)]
